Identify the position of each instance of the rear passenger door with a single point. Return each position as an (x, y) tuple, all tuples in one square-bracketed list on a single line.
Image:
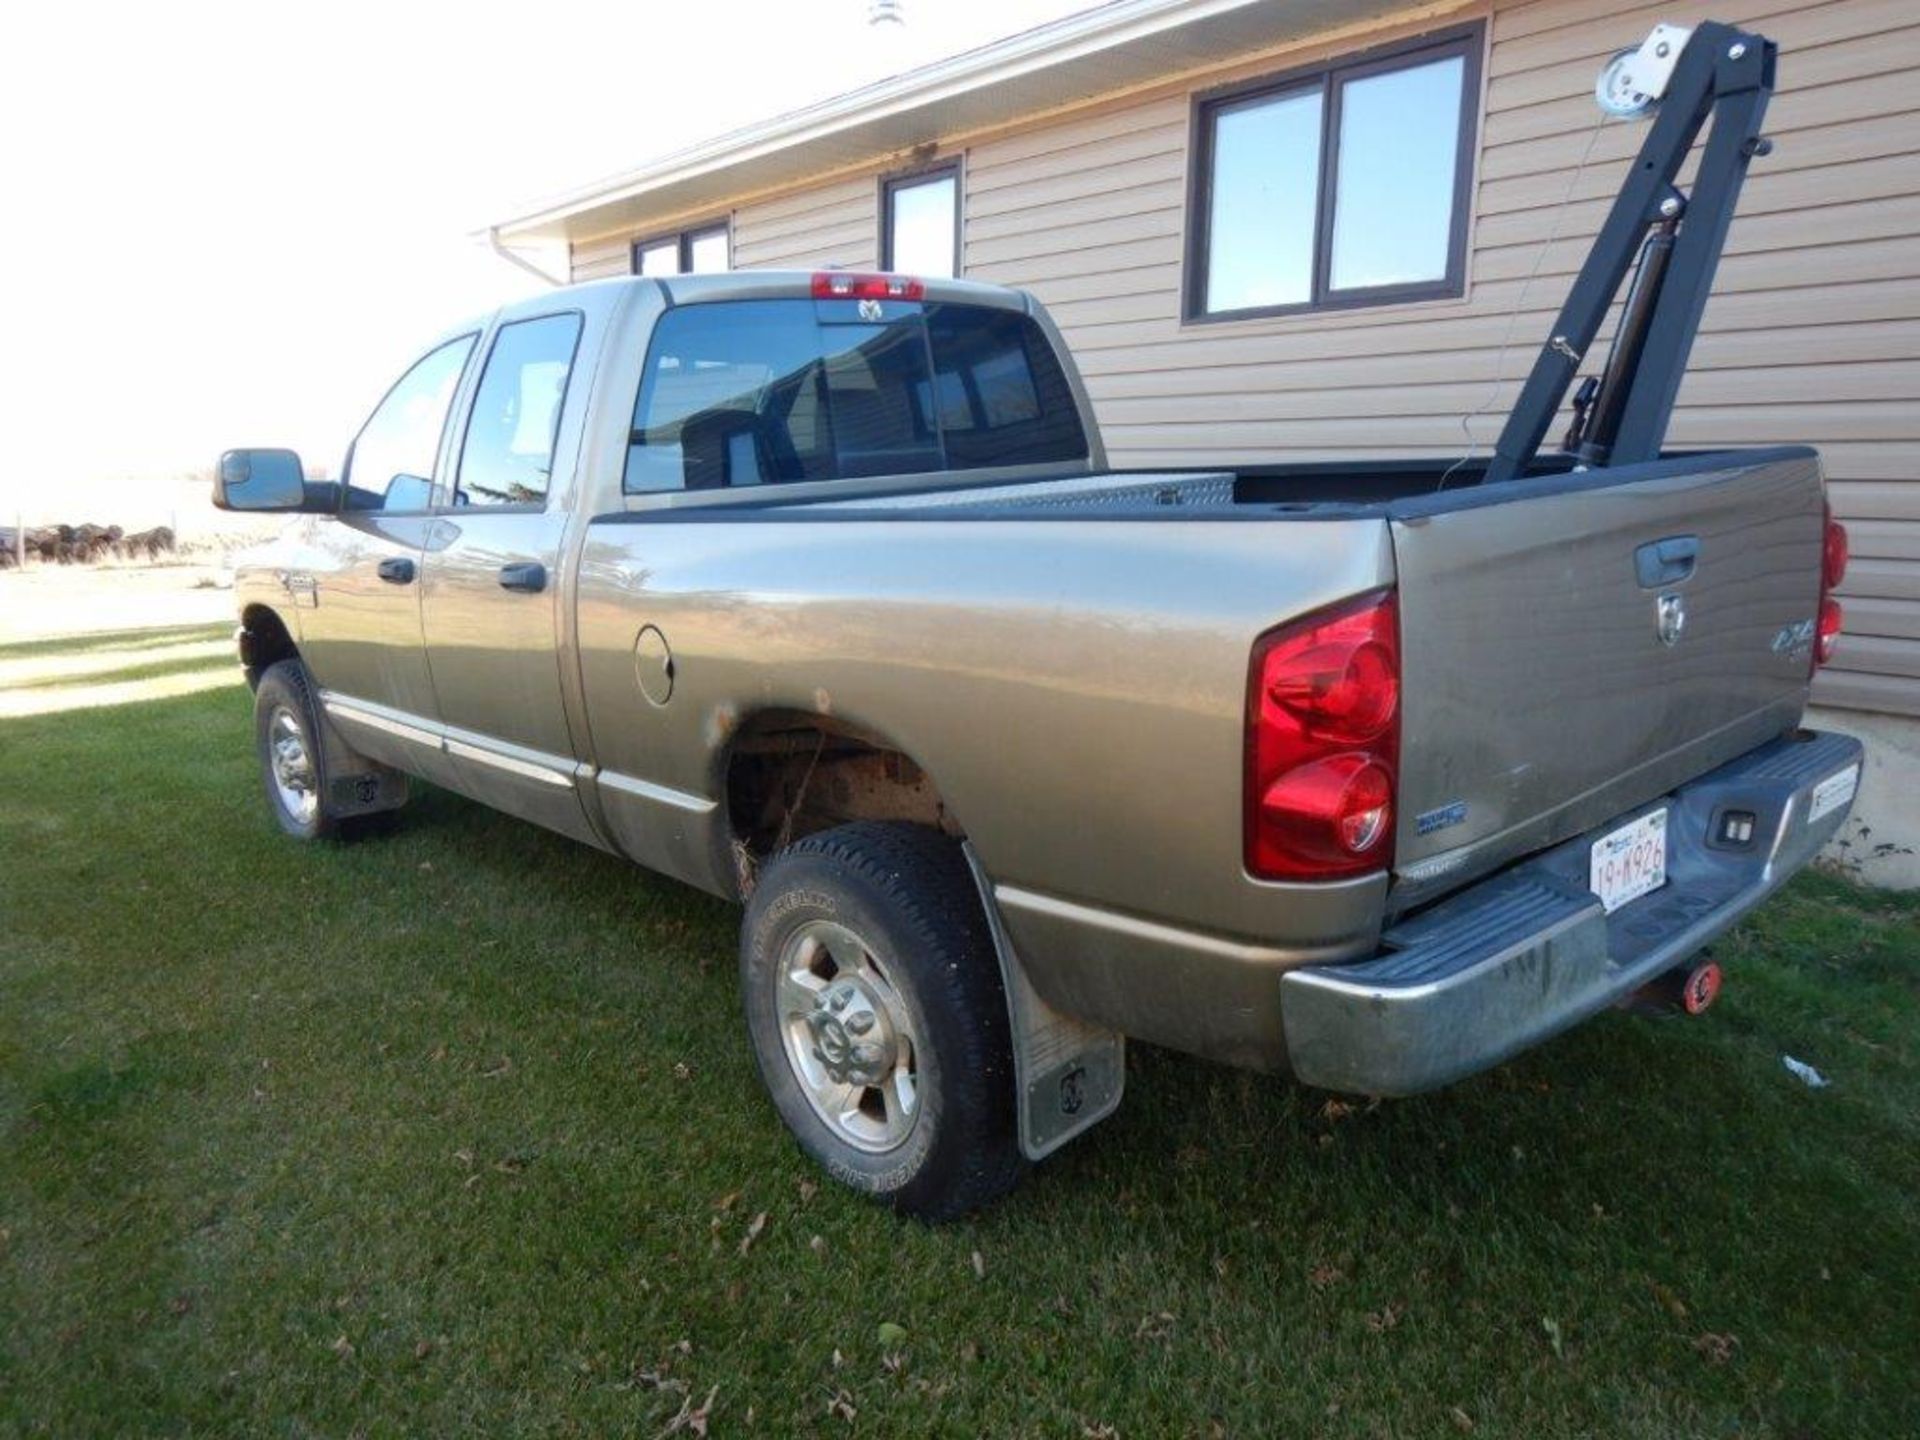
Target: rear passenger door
[(492, 592)]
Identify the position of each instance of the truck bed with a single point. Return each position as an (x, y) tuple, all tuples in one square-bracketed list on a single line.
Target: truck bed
[(1539, 696)]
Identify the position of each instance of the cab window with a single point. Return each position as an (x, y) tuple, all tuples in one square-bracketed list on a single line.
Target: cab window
[(507, 458), (391, 464), (760, 392)]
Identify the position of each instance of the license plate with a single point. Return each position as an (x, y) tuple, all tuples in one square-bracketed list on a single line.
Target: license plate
[(1833, 792), (1629, 862)]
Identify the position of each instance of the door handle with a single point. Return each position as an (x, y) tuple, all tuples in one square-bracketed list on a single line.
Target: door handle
[(529, 576), (1665, 562), (397, 570)]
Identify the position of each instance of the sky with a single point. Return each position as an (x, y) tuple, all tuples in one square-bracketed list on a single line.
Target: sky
[(234, 224)]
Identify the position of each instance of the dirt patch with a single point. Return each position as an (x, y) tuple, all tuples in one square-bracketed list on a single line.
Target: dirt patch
[(46, 601)]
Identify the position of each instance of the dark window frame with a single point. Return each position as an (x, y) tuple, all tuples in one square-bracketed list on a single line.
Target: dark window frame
[(949, 168), (1330, 76), (682, 239), (446, 489)]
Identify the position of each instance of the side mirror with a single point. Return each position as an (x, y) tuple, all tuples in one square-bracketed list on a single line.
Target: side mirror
[(262, 480)]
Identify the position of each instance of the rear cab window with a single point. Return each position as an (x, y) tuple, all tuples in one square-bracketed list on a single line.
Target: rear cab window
[(507, 458), (765, 392)]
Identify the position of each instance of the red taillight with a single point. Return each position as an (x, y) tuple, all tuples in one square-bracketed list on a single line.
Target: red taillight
[(1826, 638), (1833, 569), (1323, 741), (845, 285), (1833, 556)]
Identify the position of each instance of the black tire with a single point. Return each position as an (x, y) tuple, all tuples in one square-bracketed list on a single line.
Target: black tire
[(285, 690), (906, 893)]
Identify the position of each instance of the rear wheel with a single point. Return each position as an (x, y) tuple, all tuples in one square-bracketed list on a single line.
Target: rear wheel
[(878, 1020)]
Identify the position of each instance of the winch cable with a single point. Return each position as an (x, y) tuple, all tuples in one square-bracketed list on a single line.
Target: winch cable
[(1520, 301)]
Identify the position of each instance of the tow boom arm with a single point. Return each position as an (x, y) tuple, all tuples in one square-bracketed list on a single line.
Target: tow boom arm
[(1724, 75)]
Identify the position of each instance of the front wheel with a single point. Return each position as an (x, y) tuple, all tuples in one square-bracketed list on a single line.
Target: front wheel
[(294, 766), (878, 1020)]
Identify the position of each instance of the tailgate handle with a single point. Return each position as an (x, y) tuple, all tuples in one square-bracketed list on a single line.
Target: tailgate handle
[(1666, 562)]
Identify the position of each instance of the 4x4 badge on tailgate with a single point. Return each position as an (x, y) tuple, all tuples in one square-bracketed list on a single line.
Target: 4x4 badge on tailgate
[(1793, 639), (1670, 618)]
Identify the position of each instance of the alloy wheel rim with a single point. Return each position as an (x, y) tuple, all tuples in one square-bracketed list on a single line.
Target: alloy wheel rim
[(290, 766), (848, 1037)]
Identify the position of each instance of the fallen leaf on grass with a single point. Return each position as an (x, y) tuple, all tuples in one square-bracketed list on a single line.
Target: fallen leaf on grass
[(727, 1201), (891, 1335), (342, 1347), (807, 1190), (1462, 1421), (1718, 1349), (694, 1421), (758, 1223), (1099, 1431), (1381, 1321), (1552, 1328), (502, 1066), (840, 1406), (818, 1244), (1669, 1301), (979, 1266), (682, 1071), (1325, 1277), (1155, 1327)]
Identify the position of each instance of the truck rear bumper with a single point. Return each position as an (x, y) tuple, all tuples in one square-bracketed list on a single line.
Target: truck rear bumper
[(1529, 952)]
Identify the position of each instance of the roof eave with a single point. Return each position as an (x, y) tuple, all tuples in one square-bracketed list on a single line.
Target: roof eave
[(1106, 49)]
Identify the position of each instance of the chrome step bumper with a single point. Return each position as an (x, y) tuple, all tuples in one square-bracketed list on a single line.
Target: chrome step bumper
[(1529, 952)]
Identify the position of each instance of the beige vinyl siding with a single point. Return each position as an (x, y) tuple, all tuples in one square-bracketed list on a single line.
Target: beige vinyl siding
[(601, 259), (836, 223), (832, 224), (1813, 334)]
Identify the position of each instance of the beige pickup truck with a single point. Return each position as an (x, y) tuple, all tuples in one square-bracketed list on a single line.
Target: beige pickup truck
[(816, 591)]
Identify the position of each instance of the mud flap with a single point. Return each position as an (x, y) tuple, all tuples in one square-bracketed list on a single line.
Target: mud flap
[(1069, 1075), (355, 785)]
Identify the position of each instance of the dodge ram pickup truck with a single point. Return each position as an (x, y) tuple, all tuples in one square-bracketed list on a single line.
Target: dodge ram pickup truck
[(815, 590)]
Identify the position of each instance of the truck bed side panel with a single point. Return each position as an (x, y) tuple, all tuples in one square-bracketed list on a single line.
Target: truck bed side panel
[(1075, 692)]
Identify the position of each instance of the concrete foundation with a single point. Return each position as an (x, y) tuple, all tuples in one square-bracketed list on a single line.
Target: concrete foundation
[(1881, 842)]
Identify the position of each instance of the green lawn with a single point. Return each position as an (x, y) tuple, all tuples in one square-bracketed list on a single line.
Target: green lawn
[(455, 1130)]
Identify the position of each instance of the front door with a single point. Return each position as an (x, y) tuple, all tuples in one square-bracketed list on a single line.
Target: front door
[(491, 577), (359, 594)]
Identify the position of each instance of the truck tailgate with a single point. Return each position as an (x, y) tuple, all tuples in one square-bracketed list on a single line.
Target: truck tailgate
[(1575, 645)]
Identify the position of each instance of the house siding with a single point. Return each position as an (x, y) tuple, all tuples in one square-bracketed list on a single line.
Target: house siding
[(1813, 334)]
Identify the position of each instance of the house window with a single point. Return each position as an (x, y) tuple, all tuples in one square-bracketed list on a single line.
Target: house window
[(690, 252), (1342, 185), (920, 223)]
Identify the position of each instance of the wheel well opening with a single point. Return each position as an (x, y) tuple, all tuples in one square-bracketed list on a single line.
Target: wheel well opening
[(790, 774), (264, 641)]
